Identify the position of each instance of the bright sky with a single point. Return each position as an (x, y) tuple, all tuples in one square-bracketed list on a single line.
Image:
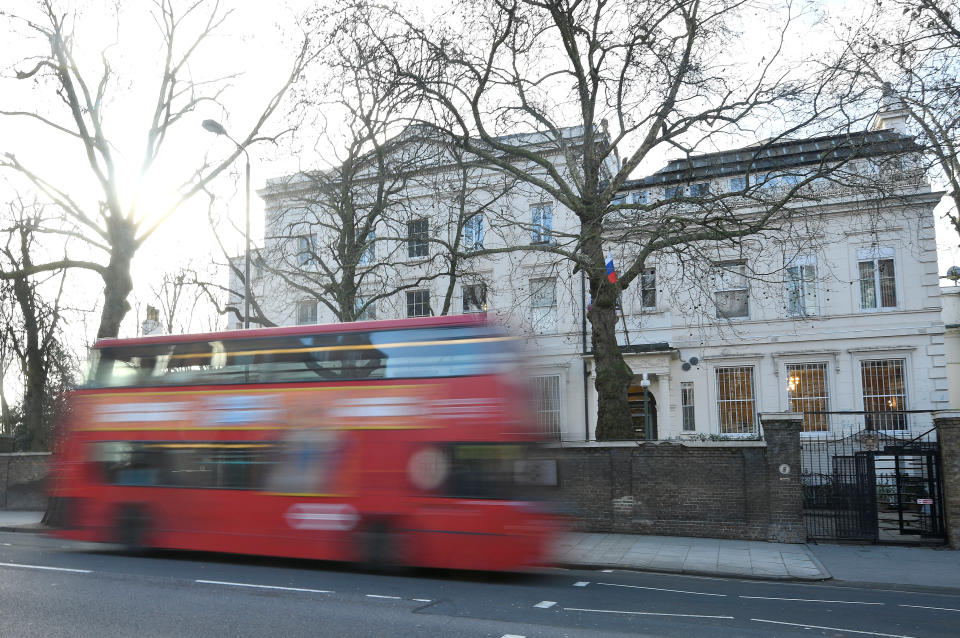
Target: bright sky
[(259, 42)]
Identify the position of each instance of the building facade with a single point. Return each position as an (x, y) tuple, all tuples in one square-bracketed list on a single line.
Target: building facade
[(837, 314)]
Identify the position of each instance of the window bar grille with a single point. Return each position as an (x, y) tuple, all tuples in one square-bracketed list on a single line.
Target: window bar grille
[(735, 400), (884, 390), (808, 394)]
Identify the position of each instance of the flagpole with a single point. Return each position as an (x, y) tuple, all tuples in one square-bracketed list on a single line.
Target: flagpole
[(612, 278)]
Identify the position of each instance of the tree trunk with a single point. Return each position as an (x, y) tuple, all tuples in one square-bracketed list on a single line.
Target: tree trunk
[(34, 403), (35, 368), (117, 282), (613, 375)]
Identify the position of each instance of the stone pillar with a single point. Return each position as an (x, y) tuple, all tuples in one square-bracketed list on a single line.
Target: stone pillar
[(781, 430), (948, 434), (665, 427)]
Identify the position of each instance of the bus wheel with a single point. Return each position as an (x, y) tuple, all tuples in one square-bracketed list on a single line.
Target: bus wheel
[(131, 527), (380, 546)]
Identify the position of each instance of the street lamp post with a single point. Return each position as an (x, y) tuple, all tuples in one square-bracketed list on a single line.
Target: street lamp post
[(216, 128)]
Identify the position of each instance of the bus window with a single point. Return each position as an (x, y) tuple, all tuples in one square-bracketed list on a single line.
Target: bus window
[(481, 470), (126, 463)]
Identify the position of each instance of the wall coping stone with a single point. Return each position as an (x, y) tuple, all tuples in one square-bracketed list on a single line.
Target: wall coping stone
[(946, 414), (780, 416), (637, 444)]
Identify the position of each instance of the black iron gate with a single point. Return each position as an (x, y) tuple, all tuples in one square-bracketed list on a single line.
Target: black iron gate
[(867, 485)]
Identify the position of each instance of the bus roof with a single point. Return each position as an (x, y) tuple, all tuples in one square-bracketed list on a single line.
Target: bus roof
[(473, 319)]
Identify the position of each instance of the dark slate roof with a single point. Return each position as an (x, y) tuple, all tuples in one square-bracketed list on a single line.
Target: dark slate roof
[(778, 155), (640, 348)]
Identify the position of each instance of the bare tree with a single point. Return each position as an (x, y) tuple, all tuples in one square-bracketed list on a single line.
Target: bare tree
[(571, 98), (114, 226), (387, 213), (911, 48), (32, 330)]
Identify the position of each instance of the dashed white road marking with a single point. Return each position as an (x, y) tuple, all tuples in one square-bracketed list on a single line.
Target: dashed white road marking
[(381, 596), (221, 582), (581, 583), (923, 607), (546, 604), (8, 545), (812, 600), (607, 571), (423, 600), (52, 569), (675, 591), (852, 631), (512, 636), (642, 613)]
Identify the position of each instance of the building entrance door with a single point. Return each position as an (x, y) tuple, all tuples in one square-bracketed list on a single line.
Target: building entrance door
[(643, 411)]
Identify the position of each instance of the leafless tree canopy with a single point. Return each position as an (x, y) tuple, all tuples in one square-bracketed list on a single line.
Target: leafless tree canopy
[(912, 49), (86, 116)]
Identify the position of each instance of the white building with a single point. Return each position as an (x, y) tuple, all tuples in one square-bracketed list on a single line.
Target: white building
[(838, 313)]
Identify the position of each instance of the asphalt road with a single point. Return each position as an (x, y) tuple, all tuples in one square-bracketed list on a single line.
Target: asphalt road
[(50, 587)]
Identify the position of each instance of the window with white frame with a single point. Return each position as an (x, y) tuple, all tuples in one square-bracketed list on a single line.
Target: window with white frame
[(640, 197), (808, 393), (541, 223), (802, 287), (731, 290), (543, 306), (369, 248), (737, 184), (473, 233), (699, 190), (306, 250), (418, 232), (474, 298), (736, 403), (878, 284), (884, 390), (687, 409), (648, 288), (546, 394), (306, 312), (672, 192), (418, 303), (364, 309)]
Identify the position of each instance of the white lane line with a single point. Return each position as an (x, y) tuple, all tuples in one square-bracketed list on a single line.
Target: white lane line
[(812, 600), (675, 591), (423, 600), (607, 571), (923, 607), (51, 569), (642, 613), (221, 582), (7, 545), (380, 596), (852, 631), (546, 604), (581, 583), (512, 636)]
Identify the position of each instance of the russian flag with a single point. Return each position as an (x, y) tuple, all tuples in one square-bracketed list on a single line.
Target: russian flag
[(611, 271)]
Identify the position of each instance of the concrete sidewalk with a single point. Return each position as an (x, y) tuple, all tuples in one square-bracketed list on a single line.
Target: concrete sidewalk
[(701, 556), (17, 521), (869, 564)]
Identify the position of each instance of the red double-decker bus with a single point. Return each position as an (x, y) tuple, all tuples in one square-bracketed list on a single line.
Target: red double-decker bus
[(378, 442)]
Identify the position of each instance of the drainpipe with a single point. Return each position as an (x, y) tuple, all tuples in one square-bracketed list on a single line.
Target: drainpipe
[(583, 358)]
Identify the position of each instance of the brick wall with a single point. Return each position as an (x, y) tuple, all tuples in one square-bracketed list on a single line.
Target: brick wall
[(736, 489), (22, 476)]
